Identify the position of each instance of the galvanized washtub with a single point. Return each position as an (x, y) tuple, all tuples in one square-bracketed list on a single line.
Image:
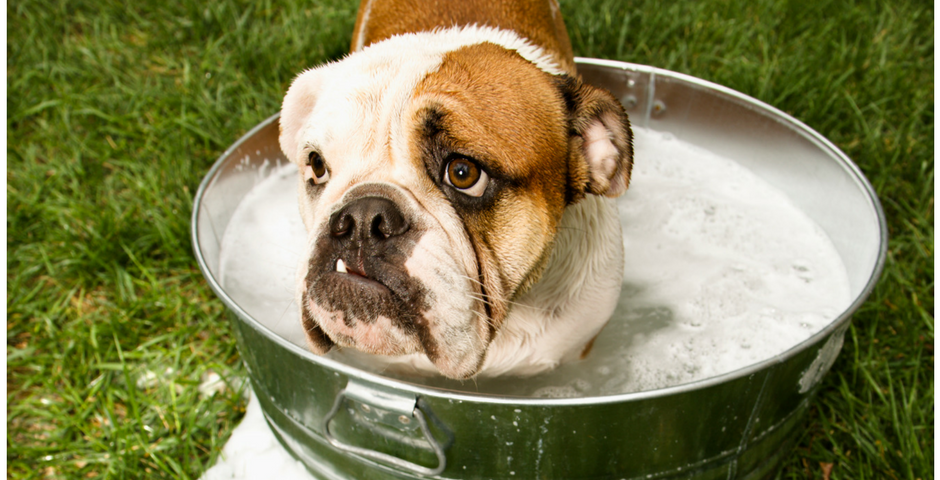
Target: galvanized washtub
[(343, 422)]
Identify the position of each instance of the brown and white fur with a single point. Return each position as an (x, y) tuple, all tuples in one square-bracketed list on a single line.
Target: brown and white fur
[(454, 183)]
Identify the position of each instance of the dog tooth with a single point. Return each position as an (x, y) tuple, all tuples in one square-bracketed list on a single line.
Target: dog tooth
[(340, 266)]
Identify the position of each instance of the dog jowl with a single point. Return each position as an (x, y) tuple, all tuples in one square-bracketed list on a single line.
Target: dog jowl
[(455, 188)]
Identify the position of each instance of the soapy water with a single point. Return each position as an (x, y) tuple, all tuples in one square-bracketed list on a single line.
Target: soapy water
[(722, 271)]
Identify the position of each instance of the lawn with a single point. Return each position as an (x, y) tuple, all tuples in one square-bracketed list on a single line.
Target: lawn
[(116, 110)]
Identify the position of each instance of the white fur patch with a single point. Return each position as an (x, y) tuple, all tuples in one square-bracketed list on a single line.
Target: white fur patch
[(572, 302), (450, 39), (459, 330)]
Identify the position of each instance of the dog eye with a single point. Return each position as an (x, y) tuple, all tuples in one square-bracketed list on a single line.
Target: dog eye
[(466, 176), (315, 171)]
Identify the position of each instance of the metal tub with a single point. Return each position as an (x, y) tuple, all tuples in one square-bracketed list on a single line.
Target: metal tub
[(343, 422)]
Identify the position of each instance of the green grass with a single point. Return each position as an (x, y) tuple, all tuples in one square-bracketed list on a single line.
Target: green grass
[(116, 110)]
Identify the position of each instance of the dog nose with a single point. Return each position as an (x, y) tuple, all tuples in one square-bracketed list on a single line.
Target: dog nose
[(368, 218)]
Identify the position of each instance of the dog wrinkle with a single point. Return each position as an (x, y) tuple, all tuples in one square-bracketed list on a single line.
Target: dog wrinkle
[(454, 310), (594, 271), (500, 269)]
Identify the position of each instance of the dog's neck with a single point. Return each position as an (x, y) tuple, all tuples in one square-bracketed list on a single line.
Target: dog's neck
[(568, 306)]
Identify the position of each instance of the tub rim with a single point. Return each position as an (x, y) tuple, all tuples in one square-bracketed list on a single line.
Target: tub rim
[(466, 396)]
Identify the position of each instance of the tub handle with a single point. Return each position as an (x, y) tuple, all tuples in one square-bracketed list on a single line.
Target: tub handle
[(385, 406)]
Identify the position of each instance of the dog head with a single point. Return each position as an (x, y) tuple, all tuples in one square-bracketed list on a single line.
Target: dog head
[(433, 175)]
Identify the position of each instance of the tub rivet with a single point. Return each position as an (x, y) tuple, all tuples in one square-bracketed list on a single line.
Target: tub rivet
[(631, 83), (629, 102), (365, 408), (659, 107), (403, 419)]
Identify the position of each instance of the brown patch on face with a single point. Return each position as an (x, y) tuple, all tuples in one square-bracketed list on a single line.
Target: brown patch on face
[(490, 105)]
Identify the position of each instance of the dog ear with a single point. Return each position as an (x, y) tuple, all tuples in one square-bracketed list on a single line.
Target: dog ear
[(600, 140), (298, 103)]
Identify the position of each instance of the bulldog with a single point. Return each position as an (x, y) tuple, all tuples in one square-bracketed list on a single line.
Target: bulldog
[(456, 180)]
